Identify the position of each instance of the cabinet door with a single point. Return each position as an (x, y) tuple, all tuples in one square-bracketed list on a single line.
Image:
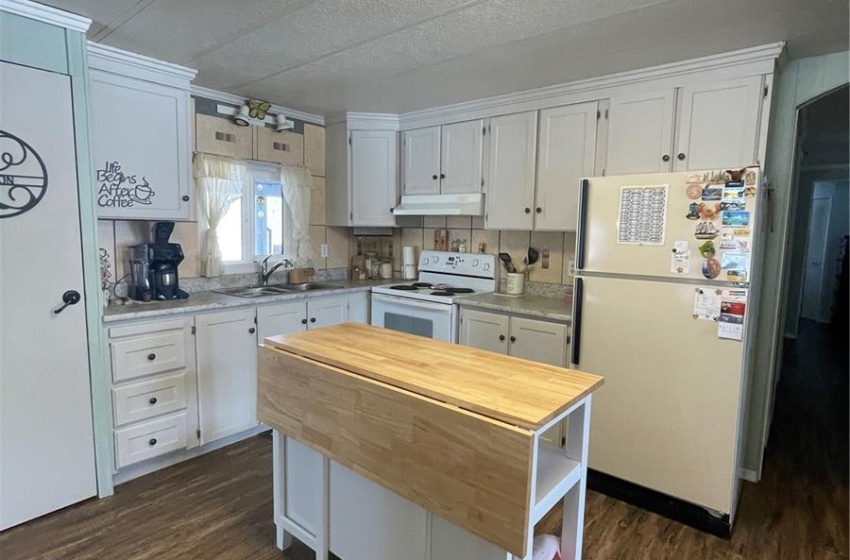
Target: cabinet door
[(278, 147), (718, 125), (373, 177), (327, 311), (487, 331), (510, 188), (218, 136), (540, 341), (565, 154), (358, 307), (460, 155), (140, 148), (422, 161), (282, 318), (226, 345), (640, 132)]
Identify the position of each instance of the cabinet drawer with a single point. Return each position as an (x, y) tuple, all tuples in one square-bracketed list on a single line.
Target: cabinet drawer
[(140, 401), (150, 439), (144, 356)]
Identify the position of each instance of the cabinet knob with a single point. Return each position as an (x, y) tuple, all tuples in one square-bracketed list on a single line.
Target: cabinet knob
[(303, 321), (252, 330), (312, 319), (152, 400), (185, 198), (538, 209), (434, 177), (513, 339), (151, 356), (665, 157), (681, 156), (442, 175), (528, 210), (152, 442), (501, 337)]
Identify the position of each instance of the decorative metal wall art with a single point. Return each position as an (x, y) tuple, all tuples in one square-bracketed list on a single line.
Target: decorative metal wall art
[(23, 176)]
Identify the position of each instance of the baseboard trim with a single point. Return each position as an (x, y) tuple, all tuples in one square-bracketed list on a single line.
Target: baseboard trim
[(662, 504), (748, 474)]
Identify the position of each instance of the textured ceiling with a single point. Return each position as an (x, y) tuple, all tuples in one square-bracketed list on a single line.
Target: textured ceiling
[(396, 56)]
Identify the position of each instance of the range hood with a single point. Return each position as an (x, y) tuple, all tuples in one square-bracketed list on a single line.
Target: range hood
[(441, 205)]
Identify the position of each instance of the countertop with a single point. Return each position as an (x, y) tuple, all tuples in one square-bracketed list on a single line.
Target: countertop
[(205, 301), (554, 309)]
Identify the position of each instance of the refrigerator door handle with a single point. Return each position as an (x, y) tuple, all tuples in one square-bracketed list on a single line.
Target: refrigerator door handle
[(578, 293), (582, 224)]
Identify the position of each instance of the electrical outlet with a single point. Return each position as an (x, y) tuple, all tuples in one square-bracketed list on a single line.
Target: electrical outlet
[(571, 268), (324, 250)]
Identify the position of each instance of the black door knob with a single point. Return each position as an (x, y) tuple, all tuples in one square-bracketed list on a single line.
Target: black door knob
[(312, 319), (681, 156), (185, 198), (252, 330), (71, 297), (539, 209), (152, 442), (501, 337), (528, 210), (513, 339), (152, 400), (151, 356), (665, 157), (303, 321), (434, 177), (442, 175)]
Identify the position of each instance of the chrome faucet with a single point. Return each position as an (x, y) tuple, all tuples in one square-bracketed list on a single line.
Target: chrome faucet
[(266, 272)]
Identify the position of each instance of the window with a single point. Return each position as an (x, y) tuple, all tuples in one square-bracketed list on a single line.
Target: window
[(252, 228)]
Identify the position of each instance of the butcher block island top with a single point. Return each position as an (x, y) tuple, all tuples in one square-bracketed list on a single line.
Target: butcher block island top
[(453, 429), (512, 390)]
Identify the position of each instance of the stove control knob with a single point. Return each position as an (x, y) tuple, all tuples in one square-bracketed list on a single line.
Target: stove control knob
[(475, 262), (486, 267), (426, 260), (435, 259)]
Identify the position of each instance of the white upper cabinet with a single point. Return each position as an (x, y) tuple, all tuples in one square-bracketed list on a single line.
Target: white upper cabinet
[(718, 124), (460, 153), (444, 159), (565, 153), (422, 161), (373, 177), (640, 132), (141, 130), (510, 183)]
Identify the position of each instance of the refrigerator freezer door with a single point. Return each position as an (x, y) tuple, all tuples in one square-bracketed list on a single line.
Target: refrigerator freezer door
[(669, 414), (689, 221)]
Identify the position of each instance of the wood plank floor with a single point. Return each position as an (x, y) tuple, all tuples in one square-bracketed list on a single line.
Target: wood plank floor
[(219, 506)]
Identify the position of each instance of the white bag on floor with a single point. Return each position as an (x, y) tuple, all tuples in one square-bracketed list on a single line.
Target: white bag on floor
[(546, 547)]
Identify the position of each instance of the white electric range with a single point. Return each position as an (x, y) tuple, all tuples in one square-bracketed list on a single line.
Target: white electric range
[(427, 307)]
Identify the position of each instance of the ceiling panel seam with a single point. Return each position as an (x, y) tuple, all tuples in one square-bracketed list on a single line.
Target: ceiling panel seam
[(122, 18)]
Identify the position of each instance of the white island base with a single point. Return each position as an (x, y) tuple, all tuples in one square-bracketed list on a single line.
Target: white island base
[(331, 508)]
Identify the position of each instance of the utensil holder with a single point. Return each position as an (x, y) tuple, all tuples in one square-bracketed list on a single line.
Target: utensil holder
[(515, 284)]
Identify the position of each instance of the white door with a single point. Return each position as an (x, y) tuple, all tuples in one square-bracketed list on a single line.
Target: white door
[(422, 161), (565, 154), (461, 167), (373, 177), (46, 439), (510, 184), (327, 311), (815, 258), (539, 341), (282, 318), (226, 345), (640, 132), (487, 331), (718, 125)]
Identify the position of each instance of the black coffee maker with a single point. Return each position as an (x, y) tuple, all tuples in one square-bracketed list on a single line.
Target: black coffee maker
[(153, 267)]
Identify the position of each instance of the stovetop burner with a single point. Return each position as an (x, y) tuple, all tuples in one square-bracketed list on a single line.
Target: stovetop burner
[(461, 290), (442, 293), (422, 285), (405, 287)]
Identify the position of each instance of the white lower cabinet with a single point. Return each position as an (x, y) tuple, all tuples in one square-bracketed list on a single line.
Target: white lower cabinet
[(531, 339), (226, 347), (281, 318), (150, 439)]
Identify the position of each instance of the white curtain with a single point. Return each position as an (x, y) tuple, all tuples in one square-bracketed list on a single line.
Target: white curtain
[(297, 184), (218, 182)]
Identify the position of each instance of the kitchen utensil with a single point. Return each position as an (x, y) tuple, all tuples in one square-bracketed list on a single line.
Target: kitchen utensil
[(533, 255), (506, 258)]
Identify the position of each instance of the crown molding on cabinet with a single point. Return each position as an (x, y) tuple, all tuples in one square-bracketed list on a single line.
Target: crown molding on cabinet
[(117, 61), (372, 121), (238, 100), (750, 61), (47, 14)]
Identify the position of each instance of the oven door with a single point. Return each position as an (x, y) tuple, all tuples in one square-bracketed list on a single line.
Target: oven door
[(432, 320)]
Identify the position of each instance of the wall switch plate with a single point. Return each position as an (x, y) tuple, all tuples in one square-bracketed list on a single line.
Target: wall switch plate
[(324, 250), (571, 268)]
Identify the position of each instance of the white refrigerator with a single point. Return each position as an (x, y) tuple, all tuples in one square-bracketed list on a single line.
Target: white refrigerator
[(662, 308)]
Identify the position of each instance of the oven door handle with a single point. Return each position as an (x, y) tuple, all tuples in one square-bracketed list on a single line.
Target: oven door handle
[(438, 307)]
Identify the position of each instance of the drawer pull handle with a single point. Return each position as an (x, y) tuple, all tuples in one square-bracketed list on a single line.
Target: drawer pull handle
[(151, 356), (152, 400), (501, 337), (513, 339), (152, 442)]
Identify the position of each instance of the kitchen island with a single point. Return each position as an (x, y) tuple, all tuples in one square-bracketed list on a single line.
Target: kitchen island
[(388, 445)]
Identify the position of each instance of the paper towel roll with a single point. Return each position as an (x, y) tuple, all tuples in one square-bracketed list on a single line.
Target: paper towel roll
[(410, 272), (409, 255)]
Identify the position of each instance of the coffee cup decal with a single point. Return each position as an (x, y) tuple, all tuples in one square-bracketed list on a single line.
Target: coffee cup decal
[(119, 189)]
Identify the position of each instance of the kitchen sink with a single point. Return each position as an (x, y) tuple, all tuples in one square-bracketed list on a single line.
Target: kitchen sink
[(272, 290)]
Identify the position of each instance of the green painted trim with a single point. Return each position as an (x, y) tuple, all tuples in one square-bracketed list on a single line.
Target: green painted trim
[(32, 43), (98, 367)]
